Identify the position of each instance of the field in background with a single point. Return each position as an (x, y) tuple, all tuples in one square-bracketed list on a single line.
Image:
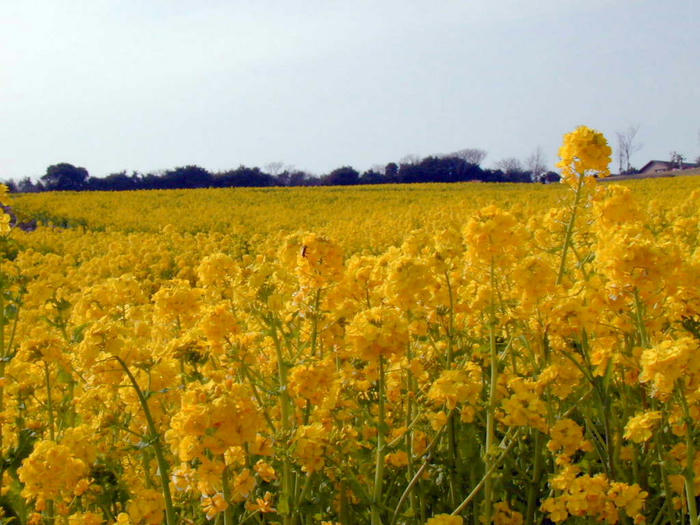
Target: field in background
[(661, 174), (359, 218), (369, 355)]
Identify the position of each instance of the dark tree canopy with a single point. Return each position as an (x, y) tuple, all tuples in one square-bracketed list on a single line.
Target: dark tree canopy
[(243, 176), (460, 166), (439, 169), (65, 177), (115, 182), (186, 177), (391, 172), (344, 176)]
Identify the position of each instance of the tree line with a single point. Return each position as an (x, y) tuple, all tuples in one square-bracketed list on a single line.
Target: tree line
[(461, 166)]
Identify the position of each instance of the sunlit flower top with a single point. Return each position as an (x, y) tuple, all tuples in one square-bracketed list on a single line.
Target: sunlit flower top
[(584, 153)]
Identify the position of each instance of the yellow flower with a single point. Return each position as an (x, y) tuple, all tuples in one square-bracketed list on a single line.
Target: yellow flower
[(408, 283), (218, 324), (5, 220), (4, 195), (504, 515), (210, 476), (242, 485), (556, 508), (263, 504), (631, 498), (310, 446), (584, 153), (213, 505), (123, 519), (44, 345), (213, 417), (379, 331), (313, 380), (51, 471), (177, 301), (641, 427), (319, 262), (81, 487), (182, 477), (437, 419), (148, 508), (524, 407), (457, 386), (492, 235), (217, 269), (567, 437), (668, 362), (445, 519), (265, 471), (85, 518), (397, 459), (262, 446)]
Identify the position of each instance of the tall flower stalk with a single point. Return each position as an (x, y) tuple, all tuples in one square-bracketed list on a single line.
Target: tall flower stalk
[(584, 155)]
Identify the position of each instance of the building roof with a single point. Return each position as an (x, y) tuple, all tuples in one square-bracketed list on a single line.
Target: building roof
[(668, 165)]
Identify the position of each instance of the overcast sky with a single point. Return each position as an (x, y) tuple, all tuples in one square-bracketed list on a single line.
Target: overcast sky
[(153, 84)]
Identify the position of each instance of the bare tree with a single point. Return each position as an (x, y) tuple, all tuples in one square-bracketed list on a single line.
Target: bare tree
[(677, 159), (471, 155), (410, 159), (535, 164), (509, 165), (275, 168), (626, 146)]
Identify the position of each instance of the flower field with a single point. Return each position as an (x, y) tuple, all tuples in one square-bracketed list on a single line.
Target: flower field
[(457, 354)]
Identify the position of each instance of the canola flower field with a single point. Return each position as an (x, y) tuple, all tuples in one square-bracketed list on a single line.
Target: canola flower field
[(441, 354)]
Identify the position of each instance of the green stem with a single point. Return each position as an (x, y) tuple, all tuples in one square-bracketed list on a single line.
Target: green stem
[(664, 477), (52, 434), (256, 394), (344, 515), (305, 490), (379, 467), (450, 332), (485, 480), (410, 389), (688, 472), (49, 402), (228, 512), (428, 455), (534, 489), (154, 438), (285, 501), (455, 488), (490, 409), (569, 231), (314, 331), (639, 314)]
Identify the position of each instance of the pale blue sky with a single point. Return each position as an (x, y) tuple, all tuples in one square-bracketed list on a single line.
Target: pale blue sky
[(153, 84)]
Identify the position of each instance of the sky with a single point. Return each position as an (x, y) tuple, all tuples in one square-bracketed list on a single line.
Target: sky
[(319, 84)]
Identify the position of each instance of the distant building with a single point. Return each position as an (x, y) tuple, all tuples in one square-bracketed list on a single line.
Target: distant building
[(655, 166)]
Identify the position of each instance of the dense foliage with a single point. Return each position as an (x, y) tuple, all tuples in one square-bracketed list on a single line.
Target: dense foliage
[(446, 168)]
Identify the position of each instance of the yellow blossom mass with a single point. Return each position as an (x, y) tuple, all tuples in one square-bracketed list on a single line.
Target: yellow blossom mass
[(440, 354)]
